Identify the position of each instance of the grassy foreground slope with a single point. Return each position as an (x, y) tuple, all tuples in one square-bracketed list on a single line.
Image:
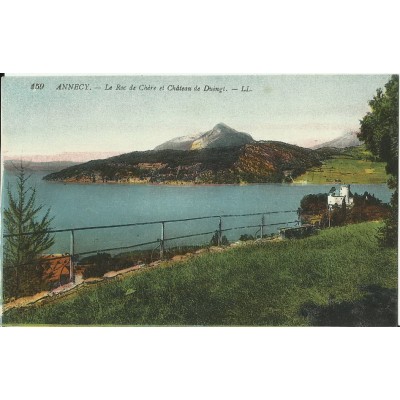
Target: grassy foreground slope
[(338, 277)]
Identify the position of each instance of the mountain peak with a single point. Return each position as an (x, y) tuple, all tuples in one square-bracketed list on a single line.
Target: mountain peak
[(221, 125), (348, 139), (220, 136)]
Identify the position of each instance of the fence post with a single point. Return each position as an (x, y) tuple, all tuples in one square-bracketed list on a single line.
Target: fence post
[(329, 216), (162, 240), (220, 232), (71, 258), (262, 225)]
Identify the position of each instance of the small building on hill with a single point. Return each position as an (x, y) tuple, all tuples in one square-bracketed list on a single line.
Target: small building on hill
[(337, 197)]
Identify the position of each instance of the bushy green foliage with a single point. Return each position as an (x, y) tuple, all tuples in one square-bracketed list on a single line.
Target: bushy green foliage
[(314, 203), (246, 237), (366, 207), (97, 265), (388, 234), (380, 127), (214, 240), (256, 285), (380, 132)]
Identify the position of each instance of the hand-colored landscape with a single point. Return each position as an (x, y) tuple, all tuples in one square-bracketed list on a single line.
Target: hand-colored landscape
[(261, 233)]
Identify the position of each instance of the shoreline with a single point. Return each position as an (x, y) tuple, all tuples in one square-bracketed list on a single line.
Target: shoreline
[(193, 184), (178, 184)]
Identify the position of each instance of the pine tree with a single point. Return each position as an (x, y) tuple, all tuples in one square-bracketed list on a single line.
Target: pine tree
[(22, 252)]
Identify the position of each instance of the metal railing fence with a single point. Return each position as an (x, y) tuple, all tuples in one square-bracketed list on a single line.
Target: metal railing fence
[(163, 239)]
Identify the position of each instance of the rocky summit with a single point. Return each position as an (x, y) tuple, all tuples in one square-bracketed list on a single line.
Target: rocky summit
[(219, 136)]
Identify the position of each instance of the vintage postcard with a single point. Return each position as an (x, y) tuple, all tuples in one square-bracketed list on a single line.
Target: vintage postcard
[(254, 200)]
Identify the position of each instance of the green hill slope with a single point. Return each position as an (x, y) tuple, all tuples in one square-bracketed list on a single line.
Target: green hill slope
[(349, 165)]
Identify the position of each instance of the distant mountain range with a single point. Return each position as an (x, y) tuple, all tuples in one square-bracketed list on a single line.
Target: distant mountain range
[(53, 162), (219, 136), (218, 156), (349, 139), (74, 157), (12, 165), (221, 162)]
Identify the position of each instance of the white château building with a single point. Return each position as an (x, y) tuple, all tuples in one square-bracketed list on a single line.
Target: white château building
[(344, 193)]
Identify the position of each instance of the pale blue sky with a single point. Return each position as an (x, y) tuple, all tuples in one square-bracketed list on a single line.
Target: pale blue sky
[(296, 109)]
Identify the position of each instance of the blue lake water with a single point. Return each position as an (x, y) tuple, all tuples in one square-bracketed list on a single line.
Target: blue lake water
[(80, 205)]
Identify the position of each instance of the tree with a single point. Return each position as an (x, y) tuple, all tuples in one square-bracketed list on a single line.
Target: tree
[(380, 133), (215, 242), (22, 252)]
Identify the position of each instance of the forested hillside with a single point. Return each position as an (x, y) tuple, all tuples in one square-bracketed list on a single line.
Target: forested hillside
[(258, 162)]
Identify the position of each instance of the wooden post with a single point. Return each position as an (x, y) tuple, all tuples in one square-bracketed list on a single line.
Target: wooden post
[(162, 240), (71, 258), (262, 225), (329, 216), (220, 232)]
